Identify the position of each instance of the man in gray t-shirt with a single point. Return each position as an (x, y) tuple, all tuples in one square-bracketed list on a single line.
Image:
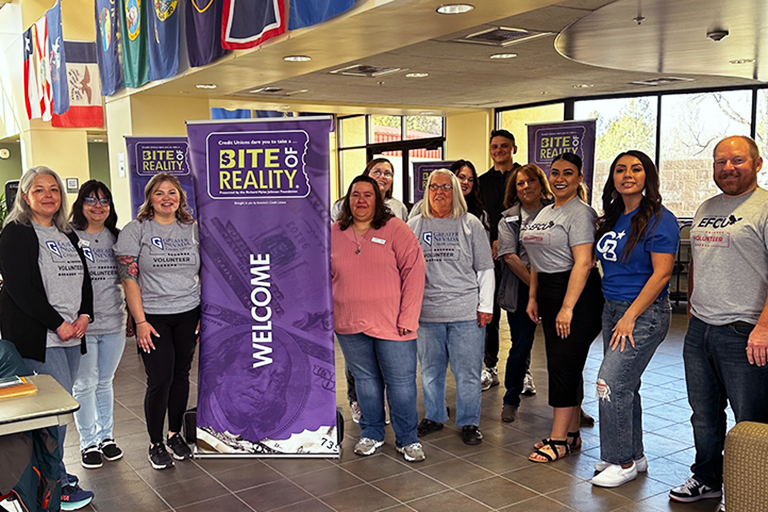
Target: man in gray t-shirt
[(726, 345)]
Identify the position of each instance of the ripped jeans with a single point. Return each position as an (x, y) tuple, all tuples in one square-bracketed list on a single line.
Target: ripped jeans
[(618, 381)]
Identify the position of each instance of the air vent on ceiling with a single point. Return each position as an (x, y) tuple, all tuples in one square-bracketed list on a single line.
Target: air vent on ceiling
[(277, 91), (500, 36), (664, 80), (365, 71)]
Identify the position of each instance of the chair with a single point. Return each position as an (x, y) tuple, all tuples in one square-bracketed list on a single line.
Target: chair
[(745, 468)]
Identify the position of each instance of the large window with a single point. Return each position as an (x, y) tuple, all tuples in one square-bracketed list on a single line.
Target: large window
[(622, 124), (691, 125), (761, 134), (517, 121)]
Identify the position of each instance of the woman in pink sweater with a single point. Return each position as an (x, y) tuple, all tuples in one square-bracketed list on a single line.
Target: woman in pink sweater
[(377, 271)]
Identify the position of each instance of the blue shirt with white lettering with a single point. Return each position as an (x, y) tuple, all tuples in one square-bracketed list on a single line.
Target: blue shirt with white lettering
[(623, 279)]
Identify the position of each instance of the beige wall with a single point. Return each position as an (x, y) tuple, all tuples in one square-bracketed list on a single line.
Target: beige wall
[(466, 137)]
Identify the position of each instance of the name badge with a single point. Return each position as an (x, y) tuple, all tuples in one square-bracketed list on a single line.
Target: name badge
[(514, 218), (378, 240)]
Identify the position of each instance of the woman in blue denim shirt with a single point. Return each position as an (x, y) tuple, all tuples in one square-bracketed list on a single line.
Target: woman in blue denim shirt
[(637, 241)]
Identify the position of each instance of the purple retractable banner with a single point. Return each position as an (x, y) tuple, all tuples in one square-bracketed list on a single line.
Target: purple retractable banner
[(421, 171), (148, 156), (547, 140), (267, 381)]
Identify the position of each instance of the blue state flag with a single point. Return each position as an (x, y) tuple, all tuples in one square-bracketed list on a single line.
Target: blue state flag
[(304, 13), (163, 37), (110, 70), (58, 61), (248, 23), (203, 31)]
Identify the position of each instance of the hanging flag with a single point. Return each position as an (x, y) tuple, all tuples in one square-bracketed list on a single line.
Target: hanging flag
[(58, 60), (42, 51), (163, 36), (248, 23), (85, 108), (304, 13), (31, 88), (133, 37), (223, 113), (110, 71), (203, 30)]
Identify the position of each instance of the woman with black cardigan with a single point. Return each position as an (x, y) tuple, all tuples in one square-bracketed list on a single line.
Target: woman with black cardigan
[(47, 302)]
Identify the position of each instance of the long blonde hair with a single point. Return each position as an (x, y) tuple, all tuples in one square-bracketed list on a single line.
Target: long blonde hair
[(22, 213), (146, 211)]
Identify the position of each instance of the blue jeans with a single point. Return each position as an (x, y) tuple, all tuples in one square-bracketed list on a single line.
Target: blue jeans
[(618, 381), (61, 363), (461, 343), (93, 387), (716, 371), (522, 330), (376, 364)]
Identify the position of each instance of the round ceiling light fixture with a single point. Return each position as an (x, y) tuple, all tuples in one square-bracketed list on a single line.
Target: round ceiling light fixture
[(416, 75), (455, 8), (297, 58), (503, 55), (206, 86)]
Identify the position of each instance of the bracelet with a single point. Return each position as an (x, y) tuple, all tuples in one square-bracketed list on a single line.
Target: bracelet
[(142, 322)]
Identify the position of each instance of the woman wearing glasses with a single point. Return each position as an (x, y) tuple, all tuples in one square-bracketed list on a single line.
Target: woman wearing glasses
[(457, 305), (95, 220), (383, 173)]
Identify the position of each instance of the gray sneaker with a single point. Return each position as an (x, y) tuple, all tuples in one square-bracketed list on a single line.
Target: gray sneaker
[(529, 388), (414, 452), (489, 378), (367, 446)]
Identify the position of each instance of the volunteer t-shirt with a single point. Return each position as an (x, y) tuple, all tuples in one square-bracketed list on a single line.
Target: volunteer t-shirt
[(62, 272), (509, 236), (624, 279), (729, 244), (108, 297), (169, 264), (549, 238), (455, 250)]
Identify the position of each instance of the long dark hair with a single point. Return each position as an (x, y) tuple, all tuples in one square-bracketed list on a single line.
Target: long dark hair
[(613, 203), (574, 159), (381, 213), (92, 188), (474, 203), (371, 164)]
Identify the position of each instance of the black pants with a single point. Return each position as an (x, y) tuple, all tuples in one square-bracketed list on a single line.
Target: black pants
[(566, 357), (167, 368), (491, 357)]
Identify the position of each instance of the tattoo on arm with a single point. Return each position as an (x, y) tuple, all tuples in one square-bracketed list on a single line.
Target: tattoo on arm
[(127, 268)]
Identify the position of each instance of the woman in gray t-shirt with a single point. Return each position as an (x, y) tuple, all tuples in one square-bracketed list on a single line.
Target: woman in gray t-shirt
[(95, 221), (158, 259), (565, 294)]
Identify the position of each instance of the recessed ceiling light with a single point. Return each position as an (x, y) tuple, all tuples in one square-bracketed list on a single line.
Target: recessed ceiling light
[(503, 55), (416, 75), (742, 61), (455, 8), (583, 86), (206, 86), (297, 58), (428, 113)]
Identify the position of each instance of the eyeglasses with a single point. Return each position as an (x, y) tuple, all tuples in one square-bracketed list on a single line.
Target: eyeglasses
[(379, 174), (91, 201), (445, 188)]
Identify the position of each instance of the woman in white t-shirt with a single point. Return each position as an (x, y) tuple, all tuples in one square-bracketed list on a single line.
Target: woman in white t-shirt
[(382, 171), (158, 258)]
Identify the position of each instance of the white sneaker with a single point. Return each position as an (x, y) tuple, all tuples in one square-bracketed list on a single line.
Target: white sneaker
[(641, 463), (367, 446), (413, 452), (614, 476), (354, 408), (529, 388), (489, 378)]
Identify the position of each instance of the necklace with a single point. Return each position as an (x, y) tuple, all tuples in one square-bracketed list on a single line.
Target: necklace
[(360, 243)]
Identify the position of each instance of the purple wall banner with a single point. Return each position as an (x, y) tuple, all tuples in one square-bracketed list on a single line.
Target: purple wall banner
[(148, 156), (267, 380), (546, 141), (421, 171)]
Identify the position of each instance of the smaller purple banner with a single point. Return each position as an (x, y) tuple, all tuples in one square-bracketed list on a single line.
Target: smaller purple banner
[(148, 156), (421, 171), (547, 141)]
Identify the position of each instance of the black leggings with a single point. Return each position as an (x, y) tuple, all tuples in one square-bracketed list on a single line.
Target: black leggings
[(566, 357), (167, 368)]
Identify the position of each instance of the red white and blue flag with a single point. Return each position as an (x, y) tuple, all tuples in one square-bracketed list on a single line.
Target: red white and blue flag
[(248, 23), (31, 88), (85, 108)]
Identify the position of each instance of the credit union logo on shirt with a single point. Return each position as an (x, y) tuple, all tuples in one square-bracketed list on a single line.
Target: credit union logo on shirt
[(54, 248), (157, 242), (89, 254), (608, 243), (718, 222), (427, 237)]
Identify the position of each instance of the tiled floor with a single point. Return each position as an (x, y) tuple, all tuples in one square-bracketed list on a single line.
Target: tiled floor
[(492, 476)]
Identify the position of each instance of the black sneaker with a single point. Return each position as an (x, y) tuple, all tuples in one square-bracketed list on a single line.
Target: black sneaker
[(692, 490), (110, 450), (179, 447), (91, 458), (426, 427), (470, 434), (159, 457)]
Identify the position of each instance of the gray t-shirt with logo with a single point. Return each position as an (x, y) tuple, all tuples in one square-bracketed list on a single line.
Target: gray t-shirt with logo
[(549, 238), (62, 272), (729, 244), (169, 264), (108, 298), (509, 236), (455, 251)]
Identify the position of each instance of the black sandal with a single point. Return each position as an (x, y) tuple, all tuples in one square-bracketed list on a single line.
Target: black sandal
[(574, 436), (553, 445)]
